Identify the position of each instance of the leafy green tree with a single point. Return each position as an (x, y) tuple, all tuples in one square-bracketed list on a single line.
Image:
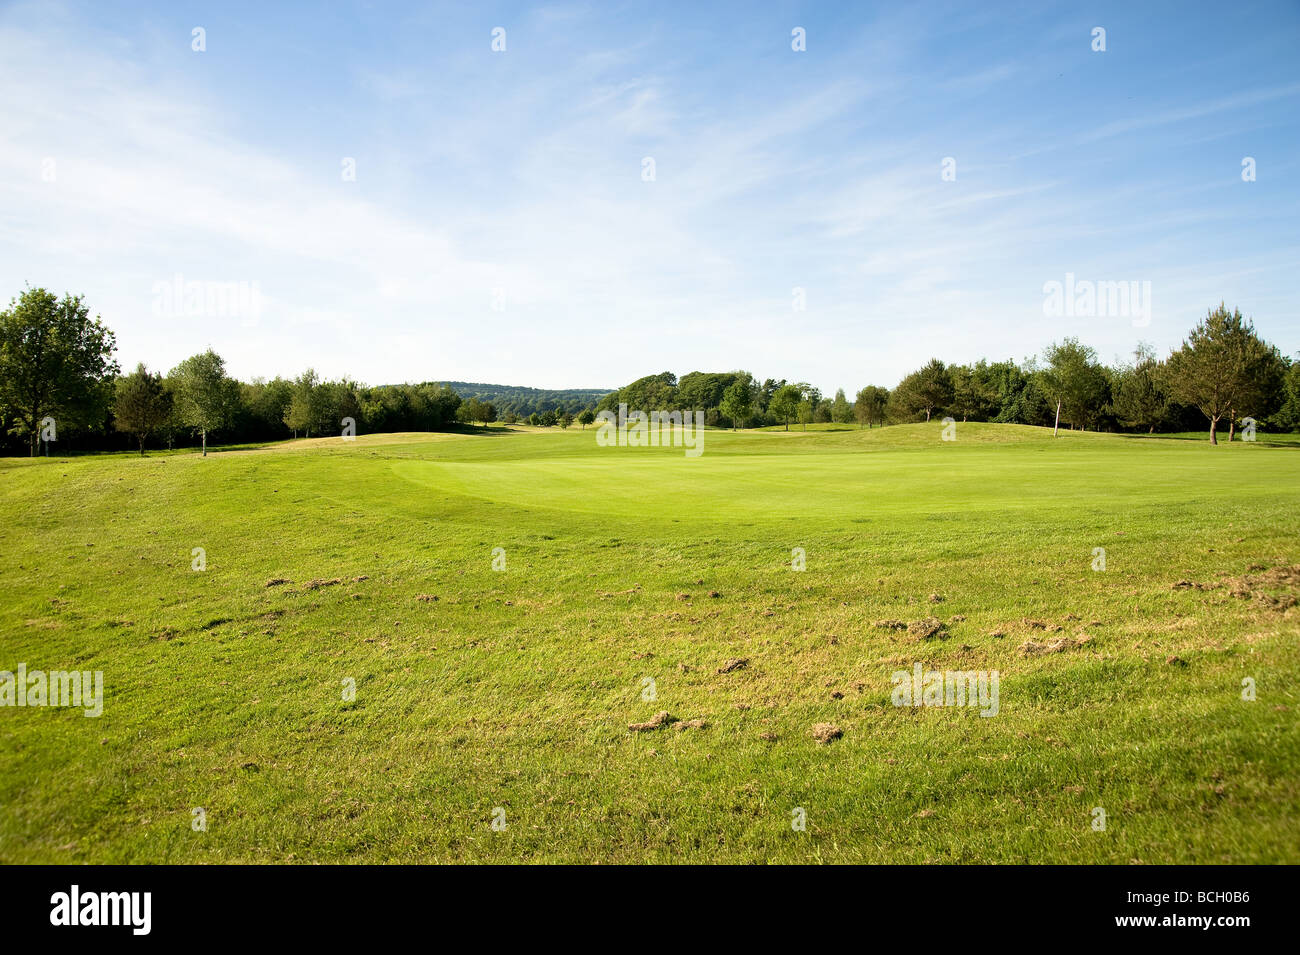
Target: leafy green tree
[(564, 419), (766, 392), (785, 404), (1018, 399), (306, 405), (922, 392), (1221, 367), (1139, 398), (341, 401), (1264, 390), (585, 417), (870, 405), (738, 402), (841, 410), (1075, 381), (265, 404), (548, 419), (651, 393), (806, 411), (1287, 417), (703, 391), (55, 362), (142, 405), (173, 426), (205, 398), (972, 395), (470, 411)]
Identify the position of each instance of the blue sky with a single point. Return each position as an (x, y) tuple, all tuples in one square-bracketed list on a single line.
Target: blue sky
[(499, 227)]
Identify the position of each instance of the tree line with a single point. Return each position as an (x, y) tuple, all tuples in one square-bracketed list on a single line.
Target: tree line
[(1222, 373), (59, 381)]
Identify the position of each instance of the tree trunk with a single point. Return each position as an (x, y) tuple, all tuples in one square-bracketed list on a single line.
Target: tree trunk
[(205, 443), (141, 445), (1214, 424), (1232, 427), (927, 414), (1057, 426)]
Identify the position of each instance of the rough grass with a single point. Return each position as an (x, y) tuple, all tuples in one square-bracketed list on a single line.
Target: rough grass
[(514, 690)]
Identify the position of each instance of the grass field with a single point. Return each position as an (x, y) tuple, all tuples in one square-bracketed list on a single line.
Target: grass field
[(514, 689)]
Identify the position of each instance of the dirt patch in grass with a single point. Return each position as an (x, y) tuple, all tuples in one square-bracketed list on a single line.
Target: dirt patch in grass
[(1032, 648), (1261, 584), (927, 629), (656, 722), (731, 665), (825, 732)]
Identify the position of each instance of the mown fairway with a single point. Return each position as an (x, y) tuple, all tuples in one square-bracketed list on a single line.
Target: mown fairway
[(515, 689)]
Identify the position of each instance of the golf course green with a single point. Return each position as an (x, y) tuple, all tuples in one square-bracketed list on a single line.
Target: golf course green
[(432, 647)]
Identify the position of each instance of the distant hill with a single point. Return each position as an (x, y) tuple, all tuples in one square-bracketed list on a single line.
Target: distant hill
[(525, 401)]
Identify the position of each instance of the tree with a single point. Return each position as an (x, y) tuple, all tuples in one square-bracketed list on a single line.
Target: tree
[(841, 410), (585, 417), (870, 405), (785, 404), (806, 410), (1264, 390), (55, 362), (1019, 399), (548, 419), (1139, 397), (470, 411), (265, 404), (205, 397), (305, 404), (334, 401), (1218, 367), (564, 420), (1288, 416), (143, 405), (738, 402), (972, 395), (1074, 381), (651, 393), (173, 426), (765, 393), (927, 390)]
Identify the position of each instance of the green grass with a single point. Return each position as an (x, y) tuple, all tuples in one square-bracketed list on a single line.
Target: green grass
[(515, 689)]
